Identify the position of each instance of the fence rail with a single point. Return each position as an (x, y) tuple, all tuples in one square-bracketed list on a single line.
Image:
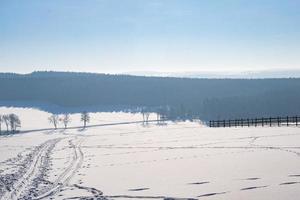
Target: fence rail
[(269, 121)]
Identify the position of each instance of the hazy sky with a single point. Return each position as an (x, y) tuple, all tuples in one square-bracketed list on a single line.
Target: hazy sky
[(149, 35)]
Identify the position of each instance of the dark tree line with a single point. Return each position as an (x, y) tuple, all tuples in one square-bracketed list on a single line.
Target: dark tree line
[(174, 98)]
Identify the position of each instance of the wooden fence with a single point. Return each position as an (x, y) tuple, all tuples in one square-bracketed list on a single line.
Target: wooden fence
[(271, 121)]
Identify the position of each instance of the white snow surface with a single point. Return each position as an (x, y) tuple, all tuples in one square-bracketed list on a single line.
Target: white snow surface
[(133, 161)]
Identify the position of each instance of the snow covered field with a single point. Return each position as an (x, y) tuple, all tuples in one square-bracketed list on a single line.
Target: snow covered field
[(131, 161)]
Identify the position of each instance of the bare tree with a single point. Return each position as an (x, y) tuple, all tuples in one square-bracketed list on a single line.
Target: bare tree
[(161, 115), (1, 120), (85, 118), (14, 122), (54, 119), (146, 115), (66, 119), (6, 121)]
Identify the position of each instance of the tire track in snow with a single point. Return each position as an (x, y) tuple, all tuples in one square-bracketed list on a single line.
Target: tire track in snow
[(68, 173), (20, 186)]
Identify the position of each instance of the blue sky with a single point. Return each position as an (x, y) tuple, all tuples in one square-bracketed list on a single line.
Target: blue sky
[(149, 35)]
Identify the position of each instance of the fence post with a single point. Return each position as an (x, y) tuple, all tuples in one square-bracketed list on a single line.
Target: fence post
[(270, 122), (296, 120), (262, 121), (287, 120)]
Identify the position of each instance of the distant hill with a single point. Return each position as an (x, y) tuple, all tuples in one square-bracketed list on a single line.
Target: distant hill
[(178, 97), (224, 74)]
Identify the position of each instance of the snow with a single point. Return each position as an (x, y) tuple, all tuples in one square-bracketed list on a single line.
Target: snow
[(132, 161)]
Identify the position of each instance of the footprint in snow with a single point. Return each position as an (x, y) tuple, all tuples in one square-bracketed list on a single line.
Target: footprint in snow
[(294, 175), (289, 183), (212, 194), (199, 183), (253, 188), (138, 189), (251, 179)]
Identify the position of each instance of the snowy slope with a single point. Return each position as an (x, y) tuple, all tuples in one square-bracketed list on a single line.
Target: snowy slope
[(131, 161)]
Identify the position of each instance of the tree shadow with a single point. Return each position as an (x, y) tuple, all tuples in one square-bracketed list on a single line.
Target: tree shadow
[(82, 129)]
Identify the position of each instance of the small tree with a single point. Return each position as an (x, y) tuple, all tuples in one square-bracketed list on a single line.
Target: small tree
[(146, 115), (161, 115), (5, 118), (14, 122), (85, 118), (54, 119), (66, 119), (1, 120)]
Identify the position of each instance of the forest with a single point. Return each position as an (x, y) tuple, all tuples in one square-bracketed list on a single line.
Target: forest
[(175, 98)]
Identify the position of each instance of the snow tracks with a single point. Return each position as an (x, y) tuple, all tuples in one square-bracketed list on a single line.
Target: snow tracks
[(29, 180), (33, 167), (64, 178)]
